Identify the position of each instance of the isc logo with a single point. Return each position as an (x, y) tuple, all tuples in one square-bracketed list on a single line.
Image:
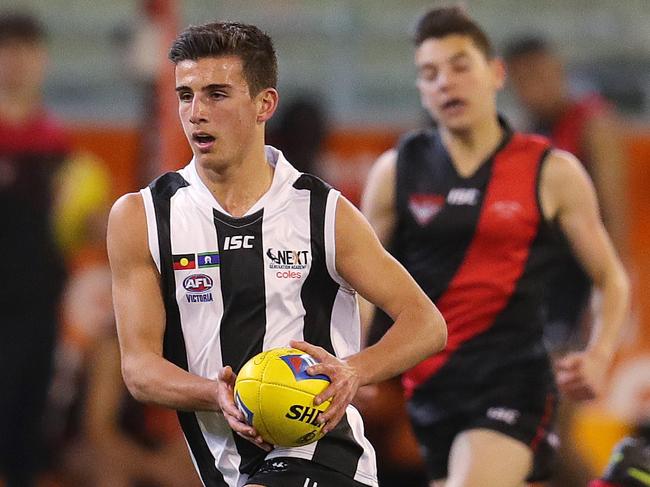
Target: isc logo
[(197, 283), (238, 242)]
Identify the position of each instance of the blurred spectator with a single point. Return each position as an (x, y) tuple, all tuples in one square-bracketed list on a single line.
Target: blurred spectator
[(33, 148), (300, 132), (116, 442), (587, 127)]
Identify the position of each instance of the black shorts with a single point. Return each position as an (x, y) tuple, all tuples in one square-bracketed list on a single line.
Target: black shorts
[(296, 472), (521, 410)]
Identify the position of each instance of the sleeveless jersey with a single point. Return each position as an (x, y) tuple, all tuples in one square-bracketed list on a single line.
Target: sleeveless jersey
[(479, 248), (233, 287)]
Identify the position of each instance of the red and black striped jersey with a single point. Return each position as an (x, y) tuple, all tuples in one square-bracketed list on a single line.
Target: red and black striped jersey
[(481, 250)]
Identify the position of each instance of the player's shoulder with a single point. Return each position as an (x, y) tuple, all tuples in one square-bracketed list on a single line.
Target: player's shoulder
[(128, 208), (306, 181), (563, 166), (417, 136), (168, 183)]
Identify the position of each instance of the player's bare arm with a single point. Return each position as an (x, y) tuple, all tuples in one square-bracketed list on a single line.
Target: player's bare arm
[(378, 206), (419, 329), (140, 316), (378, 200), (568, 196)]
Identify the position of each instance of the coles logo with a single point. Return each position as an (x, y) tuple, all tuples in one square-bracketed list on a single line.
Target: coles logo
[(197, 283), (288, 274)]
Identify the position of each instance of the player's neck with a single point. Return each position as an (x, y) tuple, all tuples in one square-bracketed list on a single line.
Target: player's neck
[(238, 185), (469, 148), (18, 106)]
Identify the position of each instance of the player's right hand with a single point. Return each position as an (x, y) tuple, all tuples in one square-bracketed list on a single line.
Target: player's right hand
[(235, 418)]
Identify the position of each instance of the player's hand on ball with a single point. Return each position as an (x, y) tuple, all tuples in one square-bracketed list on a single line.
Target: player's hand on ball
[(235, 418), (344, 386)]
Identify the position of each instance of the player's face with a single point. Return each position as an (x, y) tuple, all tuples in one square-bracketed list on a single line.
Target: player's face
[(538, 82), (457, 83), (220, 118), (22, 65)]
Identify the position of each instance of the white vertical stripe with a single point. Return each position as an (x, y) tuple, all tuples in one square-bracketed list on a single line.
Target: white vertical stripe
[(367, 468), (345, 327), (219, 438), (330, 237), (152, 226), (200, 320), (281, 232)]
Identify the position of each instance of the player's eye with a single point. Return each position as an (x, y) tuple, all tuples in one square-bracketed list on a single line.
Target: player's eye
[(428, 74), (185, 96)]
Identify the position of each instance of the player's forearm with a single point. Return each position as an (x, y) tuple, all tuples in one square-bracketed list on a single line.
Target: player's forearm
[(614, 306), (418, 332), (152, 379)]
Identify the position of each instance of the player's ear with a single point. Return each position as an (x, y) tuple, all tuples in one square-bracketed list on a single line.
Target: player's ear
[(267, 102), (498, 67)]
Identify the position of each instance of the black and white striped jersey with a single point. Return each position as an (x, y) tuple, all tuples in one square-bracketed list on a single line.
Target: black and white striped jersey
[(233, 287)]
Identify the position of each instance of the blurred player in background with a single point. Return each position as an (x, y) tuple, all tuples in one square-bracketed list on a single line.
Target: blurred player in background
[(587, 127), (629, 465), (33, 148), (222, 221), (474, 211)]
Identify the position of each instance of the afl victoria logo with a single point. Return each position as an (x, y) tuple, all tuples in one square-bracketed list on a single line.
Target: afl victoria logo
[(197, 283)]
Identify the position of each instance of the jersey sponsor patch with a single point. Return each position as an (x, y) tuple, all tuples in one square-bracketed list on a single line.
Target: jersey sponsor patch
[(197, 283), (505, 415), (198, 288), (425, 207), (507, 209), (463, 196), (209, 259), (184, 261), (287, 259)]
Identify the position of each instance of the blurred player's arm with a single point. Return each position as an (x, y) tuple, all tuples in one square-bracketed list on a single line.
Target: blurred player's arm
[(378, 206), (418, 332), (603, 142), (140, 316), (568, 196)]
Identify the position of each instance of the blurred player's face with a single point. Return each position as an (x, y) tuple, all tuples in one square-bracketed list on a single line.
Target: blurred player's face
[(538, 82), (457, 84), (22, 66), (220, 119)]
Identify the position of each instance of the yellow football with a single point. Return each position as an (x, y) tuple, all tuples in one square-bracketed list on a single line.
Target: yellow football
[(276, 395)]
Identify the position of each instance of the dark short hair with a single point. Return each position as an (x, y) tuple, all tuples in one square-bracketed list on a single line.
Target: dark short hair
[(248, 42), (445, 21), (525, 46), (20, 26)]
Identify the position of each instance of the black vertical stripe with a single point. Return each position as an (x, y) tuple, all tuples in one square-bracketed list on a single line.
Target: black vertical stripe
[(319, 290), (338, 449), (243, 323), (162, 190)]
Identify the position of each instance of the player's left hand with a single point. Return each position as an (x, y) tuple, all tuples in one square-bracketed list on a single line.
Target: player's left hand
[(581, 375), (235, 418), (344, 378)]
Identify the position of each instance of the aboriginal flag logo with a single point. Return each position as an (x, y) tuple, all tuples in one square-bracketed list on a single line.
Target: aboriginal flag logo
[(184, 261)]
